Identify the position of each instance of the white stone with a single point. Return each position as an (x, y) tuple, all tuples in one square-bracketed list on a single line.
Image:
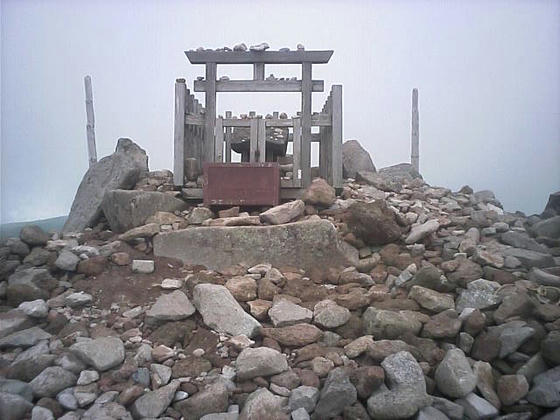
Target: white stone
[(172, 284), (35, 308), (171, 307), (143, 266)]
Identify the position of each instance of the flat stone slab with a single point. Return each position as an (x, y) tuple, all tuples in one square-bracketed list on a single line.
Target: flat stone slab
[(305, 244)]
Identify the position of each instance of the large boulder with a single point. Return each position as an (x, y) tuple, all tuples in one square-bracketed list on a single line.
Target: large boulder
[(553, 206), (33, 235), (355, 158), (374, 222), (122, 169), (337, 393), (407, 389), (404, 172), (319, 193), (454, 376), (549, 228), (306, 244), (283, 213), (262, 361), (102, 353), (125, 210), (221, 312)]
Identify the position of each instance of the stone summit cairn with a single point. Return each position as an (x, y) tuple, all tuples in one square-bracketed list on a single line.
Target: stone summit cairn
[(393, 299)]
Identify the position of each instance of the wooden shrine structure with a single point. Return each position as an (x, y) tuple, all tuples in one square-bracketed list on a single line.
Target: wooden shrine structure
[(204, 137)]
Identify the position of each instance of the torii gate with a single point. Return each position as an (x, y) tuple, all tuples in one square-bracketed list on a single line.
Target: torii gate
[(204, 139)]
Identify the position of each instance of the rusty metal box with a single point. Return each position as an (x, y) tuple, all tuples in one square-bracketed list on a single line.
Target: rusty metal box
[(241, 184)]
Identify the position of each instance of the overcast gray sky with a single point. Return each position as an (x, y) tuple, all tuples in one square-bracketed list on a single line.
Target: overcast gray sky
[(487, 74)]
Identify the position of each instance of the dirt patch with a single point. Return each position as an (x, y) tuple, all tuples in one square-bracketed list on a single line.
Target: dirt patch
[(120, 285)]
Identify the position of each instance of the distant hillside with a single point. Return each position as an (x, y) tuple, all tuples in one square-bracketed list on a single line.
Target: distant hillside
[(8, 230)]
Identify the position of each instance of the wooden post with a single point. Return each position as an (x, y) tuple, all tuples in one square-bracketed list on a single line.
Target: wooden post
[(258, 71), (296, 152), (219, 140), (261, 141), (415, 133), (228, 139), (210, 104), (336, 130), (253, 135), (90, 124), (306, 123), (179, 133)]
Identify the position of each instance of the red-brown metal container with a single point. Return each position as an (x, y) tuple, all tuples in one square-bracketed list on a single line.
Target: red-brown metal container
[(241, 184)]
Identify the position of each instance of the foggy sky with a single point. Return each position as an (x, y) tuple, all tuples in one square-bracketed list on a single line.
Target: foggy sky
[(487, 74)]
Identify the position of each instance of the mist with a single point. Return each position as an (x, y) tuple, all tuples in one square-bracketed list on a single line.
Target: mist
[(487, 75)]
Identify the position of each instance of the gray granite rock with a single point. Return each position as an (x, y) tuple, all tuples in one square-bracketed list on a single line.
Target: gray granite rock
[(154, 403), (305, 397), (173, 306), (51, 381), (67, 260), (102, 353), (284, 313), (407, 389), (120, 170), (328, 314), (337, 393), (262, 404), (477, 408), (220, 311), (454, 376), (13, 407), (283, 213), (262, 361)]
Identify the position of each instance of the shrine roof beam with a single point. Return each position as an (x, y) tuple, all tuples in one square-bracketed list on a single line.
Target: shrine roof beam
[(252, 57), (258, 86)]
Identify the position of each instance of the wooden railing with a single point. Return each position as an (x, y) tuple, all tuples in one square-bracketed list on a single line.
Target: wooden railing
[(190, 141)]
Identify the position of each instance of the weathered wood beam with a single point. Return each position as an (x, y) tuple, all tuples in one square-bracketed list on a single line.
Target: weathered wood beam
[(296, 153), (90, 124), (219, 141), (194, 120), (306, 92), (261, 141), (337, 136), (258, 71), (316, 121), (179, 133), (253, 133), (415, 133), (251, 57), (210, 112), (258, 86), (228, 134)]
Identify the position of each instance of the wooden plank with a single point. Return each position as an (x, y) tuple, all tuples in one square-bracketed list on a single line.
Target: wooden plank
[(90, 122), (228, 133), (323, 152), (191, 119), (236, 122), (296, 152), (286, 193), (415, 133), (337, 136), (219, 141), (306, 124), (179, 133), (254, 129), (261, 141), (251, 57), (258, 71), (258, 85), (210, 115)]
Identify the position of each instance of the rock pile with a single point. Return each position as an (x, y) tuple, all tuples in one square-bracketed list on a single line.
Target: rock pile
[(450, 310)]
